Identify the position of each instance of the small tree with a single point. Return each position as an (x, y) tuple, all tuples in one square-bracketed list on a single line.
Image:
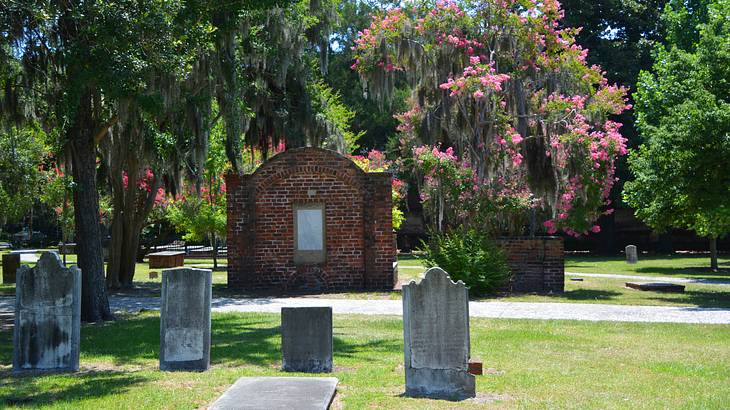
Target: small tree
[(682, 170), (199, 220)]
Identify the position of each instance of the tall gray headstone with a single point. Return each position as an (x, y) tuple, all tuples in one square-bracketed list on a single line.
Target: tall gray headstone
[(436, 333), (11, 263), (306, 339), (47, 316), (185, 319), (631, 254)]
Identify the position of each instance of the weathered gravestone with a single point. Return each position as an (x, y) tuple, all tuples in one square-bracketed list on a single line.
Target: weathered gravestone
[(306, 339), (47, 316), (278, 393), (11, 263), (436, 332), (185, 319), (631, 254)]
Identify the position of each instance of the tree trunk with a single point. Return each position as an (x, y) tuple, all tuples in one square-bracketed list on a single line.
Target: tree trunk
[(214, 247), (94, 300), (713, 253)]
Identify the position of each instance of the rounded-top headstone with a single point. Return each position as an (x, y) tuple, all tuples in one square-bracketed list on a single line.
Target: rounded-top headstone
[(48, 316), (436, 333), (631, 254)]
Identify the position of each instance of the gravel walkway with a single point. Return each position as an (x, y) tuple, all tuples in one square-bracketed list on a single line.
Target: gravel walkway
[(511, 310), (652, 278)]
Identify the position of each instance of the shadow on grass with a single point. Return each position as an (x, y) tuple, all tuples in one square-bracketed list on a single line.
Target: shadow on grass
[(694, 270), (343, 348), (35, 390), (588, 294), (700, 299)]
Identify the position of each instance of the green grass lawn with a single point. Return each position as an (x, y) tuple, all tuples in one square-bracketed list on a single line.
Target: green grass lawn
[(680, 265), (611, 290), (529, 364)]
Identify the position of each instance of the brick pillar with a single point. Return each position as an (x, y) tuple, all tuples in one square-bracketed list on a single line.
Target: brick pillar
[(380, 248), (240, 233)]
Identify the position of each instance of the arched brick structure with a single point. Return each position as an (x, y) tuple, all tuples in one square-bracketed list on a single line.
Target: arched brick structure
[(358, 234)]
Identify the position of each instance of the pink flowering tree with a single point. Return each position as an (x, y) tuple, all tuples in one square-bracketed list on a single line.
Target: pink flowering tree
[(506, 89)]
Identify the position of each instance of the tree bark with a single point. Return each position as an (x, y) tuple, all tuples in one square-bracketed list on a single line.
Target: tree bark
[(713, 253), (94, 300)]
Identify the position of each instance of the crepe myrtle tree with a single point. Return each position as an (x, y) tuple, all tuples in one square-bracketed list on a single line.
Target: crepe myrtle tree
[(505, 88)]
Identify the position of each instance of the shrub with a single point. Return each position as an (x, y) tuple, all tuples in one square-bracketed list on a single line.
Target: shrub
[(470, 256)]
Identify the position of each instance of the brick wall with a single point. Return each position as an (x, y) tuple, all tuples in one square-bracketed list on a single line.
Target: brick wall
[(537, 263), (359, 239)]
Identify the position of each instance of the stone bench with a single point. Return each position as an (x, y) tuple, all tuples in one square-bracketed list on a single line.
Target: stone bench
[(166, 259)]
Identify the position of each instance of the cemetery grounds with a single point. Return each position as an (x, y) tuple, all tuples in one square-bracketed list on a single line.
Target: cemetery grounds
[(528, 363)]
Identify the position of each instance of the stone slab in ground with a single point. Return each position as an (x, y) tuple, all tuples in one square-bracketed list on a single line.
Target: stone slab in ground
[(656, 286), (278, 393)]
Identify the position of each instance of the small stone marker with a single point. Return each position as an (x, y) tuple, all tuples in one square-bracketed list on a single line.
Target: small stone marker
[(48, 316), (153, 275), (11, 263), (436, 333), (185, 319), (656, 286), (278, 393), (631, 254), (476, 367), (306, 339)]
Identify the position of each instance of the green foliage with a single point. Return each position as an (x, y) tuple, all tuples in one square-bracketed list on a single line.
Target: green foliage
[(335, 115), (197, 219), (22, 152), (683, 105), (469, 256), (57, 194)]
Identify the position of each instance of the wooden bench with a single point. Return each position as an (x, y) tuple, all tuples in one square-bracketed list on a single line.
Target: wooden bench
[(166, 259)]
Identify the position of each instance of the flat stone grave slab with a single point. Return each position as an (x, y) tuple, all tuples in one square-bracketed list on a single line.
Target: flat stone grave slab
[(166, 259), (656, 286), (278, 393)]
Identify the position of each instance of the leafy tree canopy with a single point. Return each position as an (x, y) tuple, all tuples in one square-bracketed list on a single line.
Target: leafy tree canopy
[(683, 105)]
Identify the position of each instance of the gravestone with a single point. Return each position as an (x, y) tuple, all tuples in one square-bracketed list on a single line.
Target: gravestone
[(11, 263), (656, 286), (185, 319), (306, 339), (631, 254), (278, 393), (47, 316), (436, 333)]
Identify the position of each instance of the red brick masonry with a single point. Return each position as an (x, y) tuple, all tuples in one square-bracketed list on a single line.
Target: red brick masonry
[(359, 239), (537, 263)]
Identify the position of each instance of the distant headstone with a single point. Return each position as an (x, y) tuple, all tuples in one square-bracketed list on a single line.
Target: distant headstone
[(278, 393), (306, 339), (631, 254), (11, 263), (153, 275), (436, 332), (47, 316), (185, 319)]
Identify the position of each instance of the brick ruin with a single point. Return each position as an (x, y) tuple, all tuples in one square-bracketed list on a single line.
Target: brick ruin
[(537, 263), (309, 219)]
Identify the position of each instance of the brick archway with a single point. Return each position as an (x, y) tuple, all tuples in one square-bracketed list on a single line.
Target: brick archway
[(359, 248)]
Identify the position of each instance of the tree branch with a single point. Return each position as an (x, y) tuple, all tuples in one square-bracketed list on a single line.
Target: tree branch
[(104, 129)]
